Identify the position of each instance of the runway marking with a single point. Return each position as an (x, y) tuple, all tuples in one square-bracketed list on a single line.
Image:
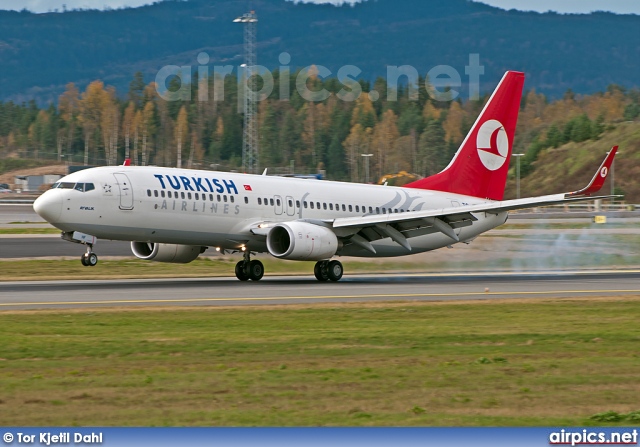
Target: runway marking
[(320, 297)]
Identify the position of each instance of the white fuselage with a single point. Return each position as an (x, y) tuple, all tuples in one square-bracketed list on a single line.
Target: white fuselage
[(219, 209)]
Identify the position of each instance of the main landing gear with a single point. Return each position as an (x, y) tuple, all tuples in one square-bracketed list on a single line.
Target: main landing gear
[(249, 270), (328, 270)]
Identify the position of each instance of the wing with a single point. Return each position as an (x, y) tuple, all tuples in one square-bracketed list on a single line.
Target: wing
[(362, 231)]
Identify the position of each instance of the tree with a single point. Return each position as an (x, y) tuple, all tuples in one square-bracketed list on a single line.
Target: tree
[(357, 143), (69, 107), (127, 127), (385, 135), (181, 132), (147, 128), (91, 108), (432, 149)]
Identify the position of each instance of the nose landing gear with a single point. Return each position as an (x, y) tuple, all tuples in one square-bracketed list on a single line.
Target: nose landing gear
[(89, 259)]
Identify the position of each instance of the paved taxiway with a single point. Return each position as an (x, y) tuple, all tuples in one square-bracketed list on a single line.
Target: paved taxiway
[(305, 290)]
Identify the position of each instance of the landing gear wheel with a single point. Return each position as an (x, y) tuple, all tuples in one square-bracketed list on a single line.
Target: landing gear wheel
[(256, 270), (92, 259), (321, 271), (335, 270), (240, 274), (89, 259)]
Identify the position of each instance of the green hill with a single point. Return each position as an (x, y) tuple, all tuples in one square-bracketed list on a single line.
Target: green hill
[(40, 53), (571, 166)]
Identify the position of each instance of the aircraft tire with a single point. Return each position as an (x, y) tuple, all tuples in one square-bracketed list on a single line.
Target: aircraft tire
[(240, 274), (92, 259), (256, 270), (83, 259), (335, 271), (320, 271)]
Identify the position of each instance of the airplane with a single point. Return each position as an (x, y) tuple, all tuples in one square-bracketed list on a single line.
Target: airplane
[(173, 215)]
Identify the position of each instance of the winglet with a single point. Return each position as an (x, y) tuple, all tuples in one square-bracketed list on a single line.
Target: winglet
[(601, 175), (127, 162)]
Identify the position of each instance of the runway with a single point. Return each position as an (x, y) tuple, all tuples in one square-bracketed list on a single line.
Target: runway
[(305, 290)]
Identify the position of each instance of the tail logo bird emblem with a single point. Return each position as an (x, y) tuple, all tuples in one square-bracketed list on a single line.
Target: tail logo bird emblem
[(493, 145)]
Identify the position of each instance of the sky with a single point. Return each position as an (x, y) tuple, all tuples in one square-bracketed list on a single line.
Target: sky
[(563, 6)]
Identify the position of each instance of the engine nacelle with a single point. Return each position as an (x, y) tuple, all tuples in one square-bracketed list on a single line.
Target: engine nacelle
[(175, 254), (301, 241)]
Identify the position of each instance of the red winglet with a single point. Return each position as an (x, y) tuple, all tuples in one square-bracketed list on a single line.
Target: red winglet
[(127, 162), (598, 180)]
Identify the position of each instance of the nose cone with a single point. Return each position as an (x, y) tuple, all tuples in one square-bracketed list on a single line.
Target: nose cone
[(49, 206)]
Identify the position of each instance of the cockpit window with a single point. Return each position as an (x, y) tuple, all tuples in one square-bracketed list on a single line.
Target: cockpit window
[(79, 187), (65, 185), (89, 187)]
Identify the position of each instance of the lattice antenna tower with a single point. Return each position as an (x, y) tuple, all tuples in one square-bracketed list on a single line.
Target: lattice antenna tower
[(250, 144)]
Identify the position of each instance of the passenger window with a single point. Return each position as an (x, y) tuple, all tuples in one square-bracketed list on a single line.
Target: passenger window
[(357, 208), (246, 200), (219, 198), (155, 193), (197, 196), (306, 204), (350, 209), (377, 210), (232, 198), (324, 206), (290, 203), (370, 210), (189, 195), (182, 194), (344, 208), (384, 211), (224, 198), (271, 202), (211, 197), (318, 205), (311, 205), (297, 204), (149, 192), (259, 201), (162, 194), (89, 187), (278, 202), (331, 206)]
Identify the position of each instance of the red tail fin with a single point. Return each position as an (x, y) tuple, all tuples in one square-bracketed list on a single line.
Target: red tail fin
[(480, 166)]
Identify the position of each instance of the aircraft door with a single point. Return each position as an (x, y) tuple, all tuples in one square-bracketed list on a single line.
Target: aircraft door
[(291, 206), (126, 191), (278, 205)]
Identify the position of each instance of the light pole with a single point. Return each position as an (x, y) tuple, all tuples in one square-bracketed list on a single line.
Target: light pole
[(517, 174), (250, 142), (366, 165)]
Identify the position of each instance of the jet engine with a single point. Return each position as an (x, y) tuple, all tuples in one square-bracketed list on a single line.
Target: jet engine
[(301, 241), (175, 254)]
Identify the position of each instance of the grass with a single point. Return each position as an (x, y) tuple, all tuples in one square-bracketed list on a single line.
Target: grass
[(498, 363), (27, 231)]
